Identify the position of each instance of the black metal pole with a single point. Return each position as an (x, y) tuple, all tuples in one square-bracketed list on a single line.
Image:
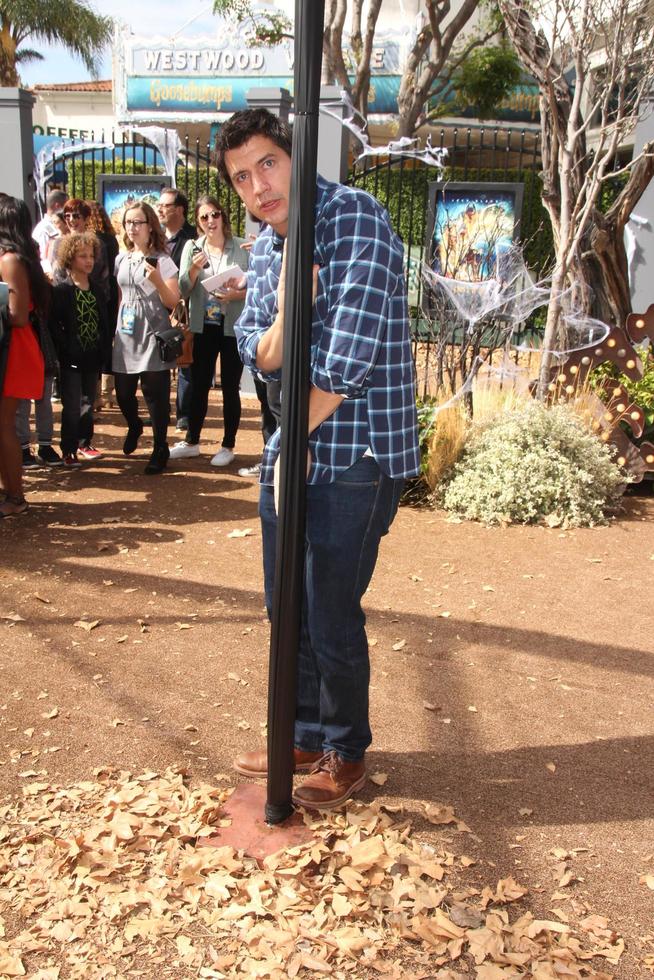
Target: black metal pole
[(289, 566)]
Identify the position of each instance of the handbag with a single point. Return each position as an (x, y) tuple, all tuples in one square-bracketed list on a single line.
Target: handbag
[(170, 343), (179, 320)]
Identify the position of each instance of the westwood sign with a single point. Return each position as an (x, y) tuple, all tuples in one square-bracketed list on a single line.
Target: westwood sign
[(205, 79)]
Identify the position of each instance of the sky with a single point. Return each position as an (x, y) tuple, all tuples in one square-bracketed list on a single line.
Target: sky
[(170, 16)]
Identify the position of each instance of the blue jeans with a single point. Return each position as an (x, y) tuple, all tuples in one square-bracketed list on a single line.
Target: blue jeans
[(183, 400), (345, 523), (42, 415)]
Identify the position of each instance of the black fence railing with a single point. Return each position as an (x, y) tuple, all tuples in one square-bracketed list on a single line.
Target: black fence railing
[(401, 184), (78, 167)]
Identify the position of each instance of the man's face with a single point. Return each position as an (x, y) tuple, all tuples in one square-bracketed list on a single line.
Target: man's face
[(261, 176), (168, 212)]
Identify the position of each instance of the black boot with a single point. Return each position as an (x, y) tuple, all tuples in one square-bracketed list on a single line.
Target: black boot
[(158, 460), (131, 439)]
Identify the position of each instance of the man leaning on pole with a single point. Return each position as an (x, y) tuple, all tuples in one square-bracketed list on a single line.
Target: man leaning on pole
[(363, 438)]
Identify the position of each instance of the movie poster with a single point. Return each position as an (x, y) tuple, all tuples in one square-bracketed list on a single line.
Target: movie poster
[(469, 224)]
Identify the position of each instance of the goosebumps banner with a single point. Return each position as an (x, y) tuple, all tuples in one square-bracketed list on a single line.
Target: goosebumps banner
[(205, 79)]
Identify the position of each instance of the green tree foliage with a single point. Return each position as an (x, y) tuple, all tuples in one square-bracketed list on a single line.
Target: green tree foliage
[(72, 23), (266, 28), (486, 78)]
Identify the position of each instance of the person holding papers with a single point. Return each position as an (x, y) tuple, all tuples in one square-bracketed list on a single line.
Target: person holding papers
[(212, 276), (147, 285)]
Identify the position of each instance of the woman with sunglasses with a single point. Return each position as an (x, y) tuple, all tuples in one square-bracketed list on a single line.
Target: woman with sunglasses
[(148, 289), (211, 319), (77, 215), (21, 360)]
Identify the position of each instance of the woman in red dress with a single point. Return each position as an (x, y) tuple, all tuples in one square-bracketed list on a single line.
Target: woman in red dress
[(29, 292)]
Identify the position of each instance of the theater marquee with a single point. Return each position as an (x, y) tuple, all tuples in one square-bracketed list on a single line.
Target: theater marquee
[(205, 79)]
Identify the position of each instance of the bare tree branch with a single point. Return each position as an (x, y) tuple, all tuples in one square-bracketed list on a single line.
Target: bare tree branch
[(592, 61)]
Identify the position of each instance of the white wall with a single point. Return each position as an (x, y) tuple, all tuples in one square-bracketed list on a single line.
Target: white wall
[(76, 114)]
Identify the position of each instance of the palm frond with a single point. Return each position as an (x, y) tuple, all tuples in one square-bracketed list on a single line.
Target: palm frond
[(71, 23), (23, 55)]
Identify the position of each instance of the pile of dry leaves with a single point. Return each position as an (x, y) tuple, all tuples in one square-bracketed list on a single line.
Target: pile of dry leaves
[(103, 879)]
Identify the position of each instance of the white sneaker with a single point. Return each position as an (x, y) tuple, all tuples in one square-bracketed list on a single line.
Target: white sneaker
[(222, 458), (251, 471), (183, 450)]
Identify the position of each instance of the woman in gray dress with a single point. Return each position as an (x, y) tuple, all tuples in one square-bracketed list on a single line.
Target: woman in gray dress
[(147, 281)]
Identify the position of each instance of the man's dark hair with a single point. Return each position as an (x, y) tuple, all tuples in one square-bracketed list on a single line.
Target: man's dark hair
[(181, 200), (245, 124)]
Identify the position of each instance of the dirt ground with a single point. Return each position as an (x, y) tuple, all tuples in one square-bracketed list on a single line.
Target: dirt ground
[(512, 669)]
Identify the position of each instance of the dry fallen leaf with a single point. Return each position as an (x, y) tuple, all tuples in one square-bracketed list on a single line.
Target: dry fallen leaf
[(109, 878), (550, 766), (88, 625), (50, 714), (115, 722), (379, 778), (240, 534), (399, 645)]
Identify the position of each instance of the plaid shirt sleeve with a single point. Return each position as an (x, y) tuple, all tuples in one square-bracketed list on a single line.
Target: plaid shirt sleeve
[(358, 276), (260, 306)]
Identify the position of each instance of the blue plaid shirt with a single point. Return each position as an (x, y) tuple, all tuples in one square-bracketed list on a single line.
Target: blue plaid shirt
[(360, 345)]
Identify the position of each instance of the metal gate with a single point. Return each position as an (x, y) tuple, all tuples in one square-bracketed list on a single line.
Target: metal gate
[(195, 172)]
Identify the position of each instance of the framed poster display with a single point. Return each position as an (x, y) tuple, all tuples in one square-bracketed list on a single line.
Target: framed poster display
[(468, 224), (116, 191)]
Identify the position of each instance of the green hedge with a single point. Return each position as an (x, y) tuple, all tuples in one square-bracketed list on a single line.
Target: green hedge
[(82, 183)]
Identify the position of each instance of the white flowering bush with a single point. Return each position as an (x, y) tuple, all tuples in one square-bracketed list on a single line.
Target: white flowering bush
[(534, 464)]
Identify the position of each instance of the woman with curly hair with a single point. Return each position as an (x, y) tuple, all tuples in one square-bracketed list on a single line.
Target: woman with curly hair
[(77, 215), (21, 357), (80, 328), (147, 280)]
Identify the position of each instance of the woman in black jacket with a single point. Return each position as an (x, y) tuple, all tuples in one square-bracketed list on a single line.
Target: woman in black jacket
[(80, 328)]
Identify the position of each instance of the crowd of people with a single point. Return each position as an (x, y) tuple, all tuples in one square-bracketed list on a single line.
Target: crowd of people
[(91, 311)]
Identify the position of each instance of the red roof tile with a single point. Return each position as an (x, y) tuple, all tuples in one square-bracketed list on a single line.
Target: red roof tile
[(100, 86)]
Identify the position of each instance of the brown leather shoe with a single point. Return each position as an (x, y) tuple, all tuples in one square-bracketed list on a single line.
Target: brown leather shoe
[(332, 781), (256, 763)]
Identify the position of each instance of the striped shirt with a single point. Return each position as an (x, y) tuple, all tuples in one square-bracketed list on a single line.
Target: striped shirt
[(360, 345)]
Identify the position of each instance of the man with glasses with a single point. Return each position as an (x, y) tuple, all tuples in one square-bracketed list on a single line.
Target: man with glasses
[(172, 211)]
